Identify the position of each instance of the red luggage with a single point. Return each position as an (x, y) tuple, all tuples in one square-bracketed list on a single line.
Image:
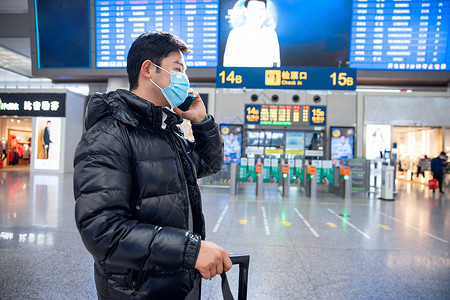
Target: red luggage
[(433, 184)]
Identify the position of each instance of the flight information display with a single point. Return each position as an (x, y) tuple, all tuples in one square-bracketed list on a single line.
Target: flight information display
[(287, 115), (119, 23), (400, 35)]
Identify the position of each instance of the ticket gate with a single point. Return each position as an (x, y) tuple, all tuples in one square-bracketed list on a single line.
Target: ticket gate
[(286, 179), (259, 179), (342, 182), (233, 178), (310, 181)]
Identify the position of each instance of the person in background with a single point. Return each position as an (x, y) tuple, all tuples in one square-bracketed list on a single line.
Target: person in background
[(437, 169), (423, 165), (138, 205)]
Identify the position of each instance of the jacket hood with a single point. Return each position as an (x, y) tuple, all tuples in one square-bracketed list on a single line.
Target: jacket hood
[(128, 108)]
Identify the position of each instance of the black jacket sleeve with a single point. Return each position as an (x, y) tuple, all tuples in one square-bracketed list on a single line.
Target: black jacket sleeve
[(208, 150), (102, 183)]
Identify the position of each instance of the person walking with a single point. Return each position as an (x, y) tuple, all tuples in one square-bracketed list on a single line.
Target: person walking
[(437, 169)]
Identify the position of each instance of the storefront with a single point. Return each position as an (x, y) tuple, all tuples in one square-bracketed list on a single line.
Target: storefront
[(15, 136), (416, 147), (403, 127), (35, 131)]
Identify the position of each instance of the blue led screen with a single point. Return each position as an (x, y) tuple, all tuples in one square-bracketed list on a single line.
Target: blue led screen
[(62, 34), (308, 33), (400, 35), (119, 23)]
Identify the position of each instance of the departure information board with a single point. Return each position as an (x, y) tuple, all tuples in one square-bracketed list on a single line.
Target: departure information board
[(287, 115), (400, 35), (119, 23)]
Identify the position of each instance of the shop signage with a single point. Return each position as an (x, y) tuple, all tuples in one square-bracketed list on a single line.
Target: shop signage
[(297, 78), (33, 105), (285, 115)]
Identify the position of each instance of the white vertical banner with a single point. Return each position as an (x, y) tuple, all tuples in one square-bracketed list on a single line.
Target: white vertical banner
[(378, 140), (47, 143)]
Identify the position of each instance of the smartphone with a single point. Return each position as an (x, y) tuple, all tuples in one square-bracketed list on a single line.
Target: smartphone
[(187, 103)]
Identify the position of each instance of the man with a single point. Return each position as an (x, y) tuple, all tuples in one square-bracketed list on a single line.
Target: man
[(252, 44), (138, 207), (437, 169), (46, 139)]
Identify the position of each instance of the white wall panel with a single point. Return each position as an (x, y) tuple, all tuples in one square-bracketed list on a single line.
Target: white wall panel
[(407, 110)]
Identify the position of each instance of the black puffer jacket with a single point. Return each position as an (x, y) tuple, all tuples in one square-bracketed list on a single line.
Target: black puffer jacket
[(132, 183)]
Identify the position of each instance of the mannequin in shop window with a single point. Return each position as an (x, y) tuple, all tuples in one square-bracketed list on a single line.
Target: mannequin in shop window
[(3, 149), (15, 157), (46, 139), (26, 152)]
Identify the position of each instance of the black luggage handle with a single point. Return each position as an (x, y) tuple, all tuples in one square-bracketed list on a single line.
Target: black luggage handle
[(243, 261)]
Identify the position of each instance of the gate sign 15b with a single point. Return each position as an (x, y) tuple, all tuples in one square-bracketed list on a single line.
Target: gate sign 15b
[(297, 78)]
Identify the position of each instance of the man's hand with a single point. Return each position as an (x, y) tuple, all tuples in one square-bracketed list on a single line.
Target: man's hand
[(212, 260), (196, 112)]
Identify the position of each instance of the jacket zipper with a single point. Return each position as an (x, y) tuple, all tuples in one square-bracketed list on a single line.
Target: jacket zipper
[(182, 175)]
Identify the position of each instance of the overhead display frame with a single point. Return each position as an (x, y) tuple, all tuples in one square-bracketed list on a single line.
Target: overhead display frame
[(381, 34)]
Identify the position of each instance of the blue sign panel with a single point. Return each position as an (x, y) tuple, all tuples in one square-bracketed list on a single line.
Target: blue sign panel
[(318, 115), (252, 114), (297, 78)]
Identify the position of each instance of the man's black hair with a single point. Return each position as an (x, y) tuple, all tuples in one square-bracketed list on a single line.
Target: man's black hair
[(247, 1), (154, 46)]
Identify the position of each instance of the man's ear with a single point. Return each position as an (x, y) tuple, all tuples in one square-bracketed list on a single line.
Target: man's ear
[(146, 68)]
